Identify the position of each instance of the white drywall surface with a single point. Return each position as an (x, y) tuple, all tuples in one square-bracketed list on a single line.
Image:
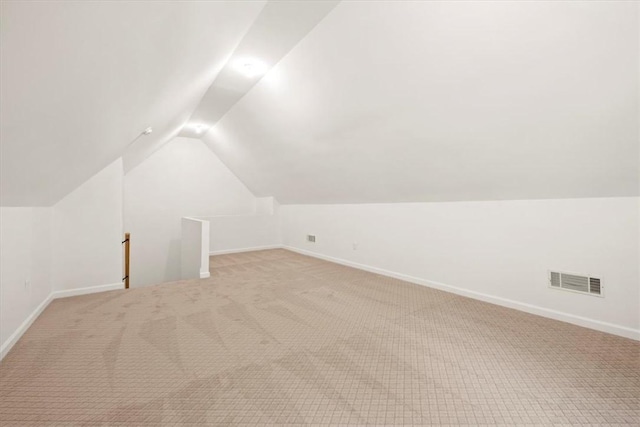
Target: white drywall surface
[(25, 265), (243, 232), (425, 101), (182, 179), (81, 80), (194, 256), (502, 249), (88, 233)]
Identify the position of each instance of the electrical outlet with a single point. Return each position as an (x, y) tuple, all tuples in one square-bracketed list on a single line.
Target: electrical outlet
[(355, 246), (27, 283)]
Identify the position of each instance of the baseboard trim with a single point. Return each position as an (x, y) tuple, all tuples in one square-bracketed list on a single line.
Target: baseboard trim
[(205, 275), (15, 337), (87, 290), (528, 308), (610, 328), (17, 334), (240, 250)]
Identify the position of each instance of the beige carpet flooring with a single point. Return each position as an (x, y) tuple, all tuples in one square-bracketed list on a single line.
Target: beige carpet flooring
[(275, 338)]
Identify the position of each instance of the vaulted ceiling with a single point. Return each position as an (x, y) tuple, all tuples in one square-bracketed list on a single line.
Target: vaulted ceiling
[(445, 101), (366, 101), (82, 80)]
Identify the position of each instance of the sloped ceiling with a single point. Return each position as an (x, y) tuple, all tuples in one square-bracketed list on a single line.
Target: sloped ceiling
[(81, 80), (279, 27), (444, 101)]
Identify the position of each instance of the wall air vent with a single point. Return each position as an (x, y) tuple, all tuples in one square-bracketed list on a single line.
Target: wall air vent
[(311, 238), (575, 283)]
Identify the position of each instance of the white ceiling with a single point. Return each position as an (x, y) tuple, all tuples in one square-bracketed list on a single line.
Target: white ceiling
[(436, 101), (380, 102), (81, 80), (279, 27)]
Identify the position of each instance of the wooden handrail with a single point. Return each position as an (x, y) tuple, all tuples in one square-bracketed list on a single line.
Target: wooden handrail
[(127, 244)]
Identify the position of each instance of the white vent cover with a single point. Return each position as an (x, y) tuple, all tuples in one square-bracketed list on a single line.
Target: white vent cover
[(575, 283)]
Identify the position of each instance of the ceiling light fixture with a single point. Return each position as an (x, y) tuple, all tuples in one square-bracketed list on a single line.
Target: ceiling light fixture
[(147, 131), (198, 128), (250, 67)]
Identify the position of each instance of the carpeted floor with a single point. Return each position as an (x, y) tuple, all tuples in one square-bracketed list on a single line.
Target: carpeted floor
[(278, 338)]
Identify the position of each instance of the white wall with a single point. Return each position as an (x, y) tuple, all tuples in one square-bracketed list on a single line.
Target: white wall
[(492, 249), (87, 233), (194, 256), (236, 233), (25, 266), (183, 178), (266, 206)]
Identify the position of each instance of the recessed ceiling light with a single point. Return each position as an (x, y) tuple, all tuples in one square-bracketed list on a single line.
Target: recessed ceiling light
[(198, 128), (250, 67), (147, 131)]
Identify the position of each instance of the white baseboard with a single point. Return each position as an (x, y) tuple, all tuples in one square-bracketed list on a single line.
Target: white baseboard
[(610, 328), (87, 290), (205, 275), (6, 346), (239, 250), (528, 308)]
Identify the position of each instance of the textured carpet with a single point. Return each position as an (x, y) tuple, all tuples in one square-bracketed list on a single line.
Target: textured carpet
[(278, 338)]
